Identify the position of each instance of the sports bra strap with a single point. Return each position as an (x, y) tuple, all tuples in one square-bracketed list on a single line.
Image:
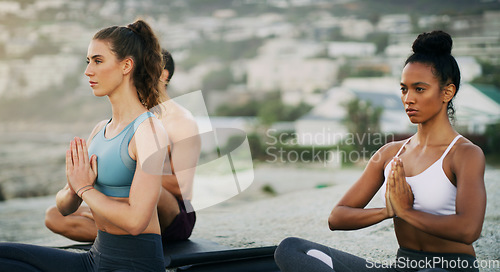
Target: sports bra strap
[(450, 146), (128, 137), (401, 149)]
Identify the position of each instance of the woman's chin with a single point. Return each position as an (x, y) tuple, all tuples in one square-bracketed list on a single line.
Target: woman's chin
[(98, 94), (414, 120)]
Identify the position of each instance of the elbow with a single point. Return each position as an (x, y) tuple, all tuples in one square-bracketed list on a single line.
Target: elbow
[(135, 231), (470, 236), (333, 223), (136, 227)]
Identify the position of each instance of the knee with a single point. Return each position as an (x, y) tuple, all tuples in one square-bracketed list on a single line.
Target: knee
[(53, 219), (167, 204), (285, 247)]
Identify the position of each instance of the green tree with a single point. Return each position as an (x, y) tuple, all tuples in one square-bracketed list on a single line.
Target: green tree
[(362, 118), (490, 74), (273, 110), (218, 80), (269, 109)]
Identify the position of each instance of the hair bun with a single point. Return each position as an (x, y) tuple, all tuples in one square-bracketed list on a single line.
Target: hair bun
[(433, 43)]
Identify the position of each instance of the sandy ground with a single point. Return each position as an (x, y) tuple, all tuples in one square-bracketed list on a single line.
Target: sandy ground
[(301, 210), (302, 200)]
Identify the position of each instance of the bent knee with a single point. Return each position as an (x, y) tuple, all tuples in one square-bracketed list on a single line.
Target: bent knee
[(286, 246), (290, 242), (53, 219)]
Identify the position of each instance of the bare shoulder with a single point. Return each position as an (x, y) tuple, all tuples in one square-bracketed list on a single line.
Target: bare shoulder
[(179, 122), (388, 151), (151, 127), (96, 129), (149, 146), (466, 152)]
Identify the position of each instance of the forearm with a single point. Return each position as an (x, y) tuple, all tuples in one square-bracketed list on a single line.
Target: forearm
[(450, 227), (348, 218), (170, 183), (131, 218), (67, 201)]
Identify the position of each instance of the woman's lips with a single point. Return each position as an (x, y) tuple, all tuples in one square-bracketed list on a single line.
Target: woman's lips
[(411, 112)]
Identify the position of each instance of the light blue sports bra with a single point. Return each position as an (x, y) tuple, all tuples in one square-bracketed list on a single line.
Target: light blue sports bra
[(115, 167), (433, 192)]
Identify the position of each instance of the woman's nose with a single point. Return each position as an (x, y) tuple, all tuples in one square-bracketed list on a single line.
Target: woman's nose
[(88, 72), (408, 98)]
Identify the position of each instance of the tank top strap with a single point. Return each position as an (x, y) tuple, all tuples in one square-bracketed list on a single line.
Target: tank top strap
[(128, 137), (450, 146), (401, 149), (138, 121)]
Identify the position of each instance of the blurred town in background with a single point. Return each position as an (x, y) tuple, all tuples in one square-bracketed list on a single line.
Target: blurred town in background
[(309, 81)]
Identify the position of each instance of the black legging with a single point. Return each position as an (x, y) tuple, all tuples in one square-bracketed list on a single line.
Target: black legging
[(298, 255), (109, 253)]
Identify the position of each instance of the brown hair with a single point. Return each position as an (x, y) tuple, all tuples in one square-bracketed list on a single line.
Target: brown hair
[(139, 42)]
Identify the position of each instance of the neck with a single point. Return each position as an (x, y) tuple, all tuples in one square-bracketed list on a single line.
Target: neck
[(435, 131), (125, 105)]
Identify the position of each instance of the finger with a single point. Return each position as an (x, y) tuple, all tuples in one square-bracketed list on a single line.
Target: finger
[(387, 188), (69, 160), (401, 168), (391, 181), (94, 164), (393, 163), (402, 175), (85, 150), (397, 176), (79, 149), (397, 173), (74, 152)]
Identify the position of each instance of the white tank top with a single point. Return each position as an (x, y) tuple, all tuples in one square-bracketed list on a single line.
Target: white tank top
[(433, 192)]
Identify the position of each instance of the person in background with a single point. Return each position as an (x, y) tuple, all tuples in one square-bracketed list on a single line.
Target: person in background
[(176, 215), (432, 184), (119, 172)]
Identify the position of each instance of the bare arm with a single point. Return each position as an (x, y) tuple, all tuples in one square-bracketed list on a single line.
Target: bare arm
[(464, 226), (185, 152), (67, 201), (135, 215), (350, 212)]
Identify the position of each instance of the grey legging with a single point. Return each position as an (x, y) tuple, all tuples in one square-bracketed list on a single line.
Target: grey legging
[(109, 253), (299, 255)]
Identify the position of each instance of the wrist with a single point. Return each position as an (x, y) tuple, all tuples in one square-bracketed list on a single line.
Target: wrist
[(403, 213), (387, 214), (83, 189)]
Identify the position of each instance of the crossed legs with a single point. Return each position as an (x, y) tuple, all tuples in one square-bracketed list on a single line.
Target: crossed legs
[(80, 225)]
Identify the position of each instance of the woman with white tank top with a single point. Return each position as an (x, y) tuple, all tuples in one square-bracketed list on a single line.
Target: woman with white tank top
[(432, 184)]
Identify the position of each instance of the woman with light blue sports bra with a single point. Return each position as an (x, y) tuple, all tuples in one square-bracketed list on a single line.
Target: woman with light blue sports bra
[(119, 173), (432, 184)]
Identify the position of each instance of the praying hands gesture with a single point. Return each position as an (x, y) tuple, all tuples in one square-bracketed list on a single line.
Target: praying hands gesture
[(80, 171), (398, 195)]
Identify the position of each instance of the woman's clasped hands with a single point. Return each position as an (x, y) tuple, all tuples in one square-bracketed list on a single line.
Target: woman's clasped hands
[(81, 171), (398, 194)]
